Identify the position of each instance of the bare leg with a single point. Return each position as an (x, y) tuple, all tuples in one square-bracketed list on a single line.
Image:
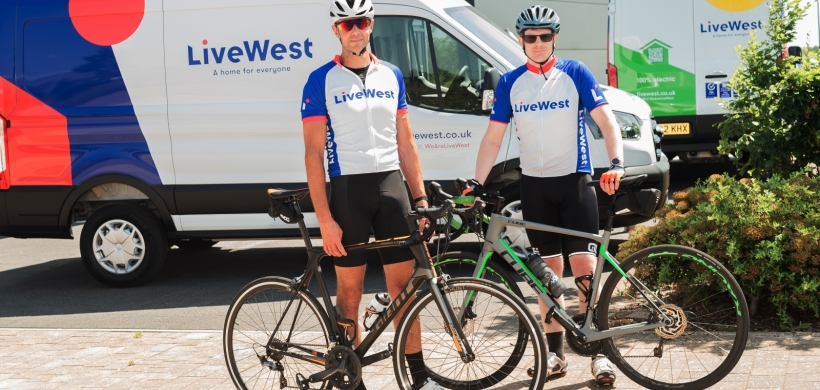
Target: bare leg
[(349, 289), (556, 263), (582, 264), (397, 276)]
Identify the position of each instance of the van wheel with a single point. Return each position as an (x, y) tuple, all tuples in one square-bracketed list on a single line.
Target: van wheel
[(195, 245), (123, 245)]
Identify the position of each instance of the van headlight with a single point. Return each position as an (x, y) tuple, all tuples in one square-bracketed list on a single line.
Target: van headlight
[(630, 125)]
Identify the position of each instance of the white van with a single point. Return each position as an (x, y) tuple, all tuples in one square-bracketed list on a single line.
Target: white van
[(164, 125), (679, 55)]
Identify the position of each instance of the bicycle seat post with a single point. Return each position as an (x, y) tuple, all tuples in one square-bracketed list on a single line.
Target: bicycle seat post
[(303, 228)]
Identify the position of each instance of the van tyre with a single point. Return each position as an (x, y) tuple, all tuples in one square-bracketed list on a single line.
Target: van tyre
[(123, 245)]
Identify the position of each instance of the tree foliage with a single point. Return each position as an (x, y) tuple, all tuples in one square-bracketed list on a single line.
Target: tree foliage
[(773, 126), (767, 233)]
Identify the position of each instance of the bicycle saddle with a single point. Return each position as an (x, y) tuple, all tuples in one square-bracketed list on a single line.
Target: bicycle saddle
[(276, 193)]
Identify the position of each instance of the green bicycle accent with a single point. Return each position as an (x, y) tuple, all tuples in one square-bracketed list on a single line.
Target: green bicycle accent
[(612, 261), (663, 254), (524, 266), (726, 282), (481, 270), (464, 199)]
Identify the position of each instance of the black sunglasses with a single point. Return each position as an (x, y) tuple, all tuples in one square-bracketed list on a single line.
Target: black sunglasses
[(348, 24), (544, 38)]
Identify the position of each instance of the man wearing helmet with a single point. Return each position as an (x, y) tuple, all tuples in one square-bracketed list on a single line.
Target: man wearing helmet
[(354, 110), (547, 98)]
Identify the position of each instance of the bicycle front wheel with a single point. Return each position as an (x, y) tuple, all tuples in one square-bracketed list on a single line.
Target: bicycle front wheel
[(710, 318), (504, 337), (463, 264), (260, 356)]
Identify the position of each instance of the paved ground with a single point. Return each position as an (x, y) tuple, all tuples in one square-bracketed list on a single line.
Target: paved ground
[(76, 359)]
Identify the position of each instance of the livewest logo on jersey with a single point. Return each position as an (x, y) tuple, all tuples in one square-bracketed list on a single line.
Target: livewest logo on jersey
[(368, 93), (541, 106)]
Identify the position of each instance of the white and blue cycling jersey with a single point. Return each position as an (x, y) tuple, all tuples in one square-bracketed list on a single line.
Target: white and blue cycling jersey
[(549, 115), (361, 120)]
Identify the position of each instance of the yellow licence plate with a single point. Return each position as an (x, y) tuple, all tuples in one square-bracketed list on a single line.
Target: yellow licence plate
[(675, 128)]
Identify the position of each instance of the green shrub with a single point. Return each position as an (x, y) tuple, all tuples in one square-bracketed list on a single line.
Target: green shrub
[(767, 233), (773, 126)]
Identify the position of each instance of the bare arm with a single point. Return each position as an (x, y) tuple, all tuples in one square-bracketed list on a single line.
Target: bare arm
[(606, 121), (315, 134), (488, 151), (409, 157)]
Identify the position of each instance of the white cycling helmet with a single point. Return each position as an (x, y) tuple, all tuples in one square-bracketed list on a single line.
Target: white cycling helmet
[(346, 9), (538, 16)]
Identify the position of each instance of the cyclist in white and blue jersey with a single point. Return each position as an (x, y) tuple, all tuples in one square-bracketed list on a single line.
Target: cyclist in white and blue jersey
[(548, 97), (354, 112)]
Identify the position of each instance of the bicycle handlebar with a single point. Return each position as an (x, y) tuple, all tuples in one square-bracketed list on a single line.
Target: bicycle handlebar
[(466, 212), (432, 213)]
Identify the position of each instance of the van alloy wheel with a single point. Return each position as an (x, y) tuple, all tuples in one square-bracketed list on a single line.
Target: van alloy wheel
[(123, 244), (119, 247)]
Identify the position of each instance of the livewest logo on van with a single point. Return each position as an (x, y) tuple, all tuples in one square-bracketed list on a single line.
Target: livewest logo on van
[(735, 25), (252, 51)]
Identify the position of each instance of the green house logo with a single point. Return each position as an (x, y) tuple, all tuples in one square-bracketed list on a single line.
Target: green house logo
[(656, 52)]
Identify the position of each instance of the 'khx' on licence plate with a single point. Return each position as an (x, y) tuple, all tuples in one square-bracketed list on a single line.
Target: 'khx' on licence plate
[(675, 128)]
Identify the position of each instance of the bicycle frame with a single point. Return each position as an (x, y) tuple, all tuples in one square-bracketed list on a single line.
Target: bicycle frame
[(494, 242), (424, 272)]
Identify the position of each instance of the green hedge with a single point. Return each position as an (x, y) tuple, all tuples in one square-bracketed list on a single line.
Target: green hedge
[(767, 233)]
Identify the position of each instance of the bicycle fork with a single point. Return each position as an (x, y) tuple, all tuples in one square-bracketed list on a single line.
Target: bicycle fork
[(451, 319)]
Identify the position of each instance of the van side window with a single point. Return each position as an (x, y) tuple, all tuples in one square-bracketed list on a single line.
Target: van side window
[(403, 41), (440, 73), (460, 71)]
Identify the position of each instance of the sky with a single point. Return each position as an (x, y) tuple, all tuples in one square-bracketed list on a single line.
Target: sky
[(808, 26)]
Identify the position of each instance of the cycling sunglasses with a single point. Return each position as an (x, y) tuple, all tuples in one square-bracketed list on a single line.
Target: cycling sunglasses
[(348, 24), (544, 38)]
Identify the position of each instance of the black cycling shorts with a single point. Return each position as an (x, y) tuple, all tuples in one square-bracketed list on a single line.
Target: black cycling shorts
[(564, 201), (370, 202)]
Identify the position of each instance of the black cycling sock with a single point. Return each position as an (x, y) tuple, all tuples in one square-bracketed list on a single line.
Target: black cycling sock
[(415, 362), (555, 343)]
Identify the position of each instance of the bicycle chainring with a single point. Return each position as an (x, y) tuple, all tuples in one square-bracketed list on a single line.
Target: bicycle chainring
[(678, 325), (352, 374), (590, 349)]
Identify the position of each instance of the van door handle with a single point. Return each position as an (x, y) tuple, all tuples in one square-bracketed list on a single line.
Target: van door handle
[(716, 75)]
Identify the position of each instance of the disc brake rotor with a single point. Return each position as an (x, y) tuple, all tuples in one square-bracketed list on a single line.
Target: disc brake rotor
[(678, 325)]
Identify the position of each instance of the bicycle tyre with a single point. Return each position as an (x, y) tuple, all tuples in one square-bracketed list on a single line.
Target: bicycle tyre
[(251, 318), (458, 264), (528, 348), (704, 293)]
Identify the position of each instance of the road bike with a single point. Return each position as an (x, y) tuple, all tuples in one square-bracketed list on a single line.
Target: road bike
[(668, 316), (277, 333)]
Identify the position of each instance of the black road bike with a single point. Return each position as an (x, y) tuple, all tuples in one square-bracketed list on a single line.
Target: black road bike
[(474, 334)]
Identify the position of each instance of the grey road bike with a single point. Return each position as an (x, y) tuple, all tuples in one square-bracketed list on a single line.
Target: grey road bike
[(278, 334), (668, 316)]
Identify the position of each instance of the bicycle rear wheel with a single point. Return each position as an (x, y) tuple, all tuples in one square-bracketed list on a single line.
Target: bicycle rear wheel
[(256, 363), (463, 264), (503, 334), (711, 319)]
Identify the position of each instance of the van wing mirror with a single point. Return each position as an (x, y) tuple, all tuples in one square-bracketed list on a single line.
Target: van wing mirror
[(491, 77), (795, 51)]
